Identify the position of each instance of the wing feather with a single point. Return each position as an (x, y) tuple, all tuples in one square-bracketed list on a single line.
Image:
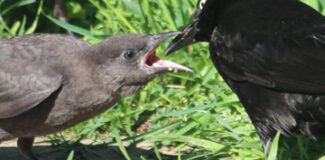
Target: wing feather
[(31, 69), (293, 63), (19, 94)]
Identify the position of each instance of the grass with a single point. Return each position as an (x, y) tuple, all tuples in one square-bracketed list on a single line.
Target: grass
[(196, 110)]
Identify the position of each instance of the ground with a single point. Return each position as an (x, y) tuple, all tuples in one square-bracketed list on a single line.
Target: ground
[(84, 151)]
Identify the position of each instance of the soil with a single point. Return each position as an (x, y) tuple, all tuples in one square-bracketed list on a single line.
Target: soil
[(83, 151)]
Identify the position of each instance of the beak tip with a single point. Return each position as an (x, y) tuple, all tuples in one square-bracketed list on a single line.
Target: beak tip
[(172, 47), (190, 70), (167, 51)]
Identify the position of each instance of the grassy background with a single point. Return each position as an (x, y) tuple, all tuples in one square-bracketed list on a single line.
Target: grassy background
[(196, 111)]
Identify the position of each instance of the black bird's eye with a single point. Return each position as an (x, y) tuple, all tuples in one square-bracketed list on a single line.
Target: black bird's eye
[(129, 55), (201, 4), (199, 8)]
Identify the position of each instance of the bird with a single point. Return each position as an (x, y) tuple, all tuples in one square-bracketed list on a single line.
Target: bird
[(50, 82), (59, 11), (271, 53)]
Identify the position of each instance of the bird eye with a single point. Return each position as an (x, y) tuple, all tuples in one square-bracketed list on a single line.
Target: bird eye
[(129, 55), (201, 4)]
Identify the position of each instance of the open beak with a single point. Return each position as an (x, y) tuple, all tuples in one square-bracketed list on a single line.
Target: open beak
[(152, 62), (185, 38)]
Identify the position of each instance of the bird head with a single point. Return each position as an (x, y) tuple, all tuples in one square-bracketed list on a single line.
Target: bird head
[(201, 26), (128, 61)]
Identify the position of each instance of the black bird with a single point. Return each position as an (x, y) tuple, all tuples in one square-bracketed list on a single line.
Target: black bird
[(49, 82), (272, 54)]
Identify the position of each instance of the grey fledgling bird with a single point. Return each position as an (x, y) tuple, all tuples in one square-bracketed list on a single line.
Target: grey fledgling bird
[(51, 82)]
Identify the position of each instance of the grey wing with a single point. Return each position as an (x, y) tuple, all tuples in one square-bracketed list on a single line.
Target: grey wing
[(27, 76), (31, 70), (19, 94)]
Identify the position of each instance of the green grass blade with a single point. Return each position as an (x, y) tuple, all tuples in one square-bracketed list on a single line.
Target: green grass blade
[(123, 19), (198, 108), (71, 27), (312, 3), (302, 151), (17, 4), (15, 27), (157, 152), (274, 147), (22, 27), (4, 24), (185, 129), (167, 15), (71, 154), (210, 145), (32, 28), (134, 7), (120, 144)]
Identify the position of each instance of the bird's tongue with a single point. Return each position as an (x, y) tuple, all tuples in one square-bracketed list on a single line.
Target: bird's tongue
[(153, 61)]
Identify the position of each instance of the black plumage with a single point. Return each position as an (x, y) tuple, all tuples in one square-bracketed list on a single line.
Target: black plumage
[(50, 82), (272, 54)]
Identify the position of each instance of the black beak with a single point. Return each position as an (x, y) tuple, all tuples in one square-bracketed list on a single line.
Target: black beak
[(185, 38)]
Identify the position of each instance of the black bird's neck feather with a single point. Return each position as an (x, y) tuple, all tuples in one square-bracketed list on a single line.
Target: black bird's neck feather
[(208, 18), (245, 16)]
